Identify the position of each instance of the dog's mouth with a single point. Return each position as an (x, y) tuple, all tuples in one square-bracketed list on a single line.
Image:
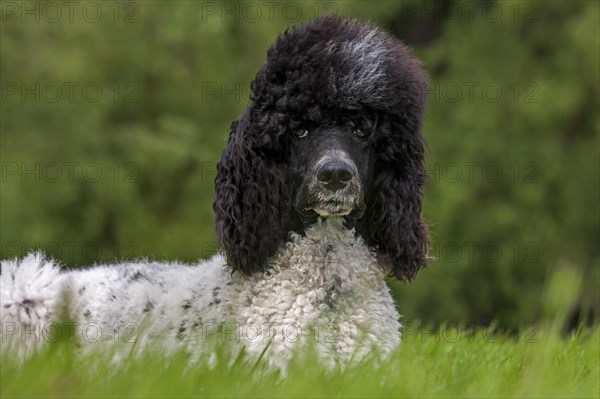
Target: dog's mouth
[(326, 212), (328, 203), (332, 208)]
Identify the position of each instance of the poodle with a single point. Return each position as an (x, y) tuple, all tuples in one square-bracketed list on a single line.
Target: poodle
[(318, 198)]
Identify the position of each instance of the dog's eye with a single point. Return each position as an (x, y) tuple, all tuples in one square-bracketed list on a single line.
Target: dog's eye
[(360, 133), (300, 133)]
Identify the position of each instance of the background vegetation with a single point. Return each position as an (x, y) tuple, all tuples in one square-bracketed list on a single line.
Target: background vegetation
[(114, 115)]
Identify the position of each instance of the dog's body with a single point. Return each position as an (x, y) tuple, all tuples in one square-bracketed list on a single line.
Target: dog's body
[(318, 196), (323, 289)]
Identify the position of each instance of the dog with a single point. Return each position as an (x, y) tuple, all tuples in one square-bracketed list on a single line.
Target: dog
[(318, 197)]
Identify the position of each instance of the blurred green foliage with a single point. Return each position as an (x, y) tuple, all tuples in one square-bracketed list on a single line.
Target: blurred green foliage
[(114, 115)]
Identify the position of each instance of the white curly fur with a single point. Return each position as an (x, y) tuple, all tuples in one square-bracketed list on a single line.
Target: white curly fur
[(324, 289)]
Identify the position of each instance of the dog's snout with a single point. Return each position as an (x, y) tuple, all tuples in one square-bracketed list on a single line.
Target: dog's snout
[(334, 175)]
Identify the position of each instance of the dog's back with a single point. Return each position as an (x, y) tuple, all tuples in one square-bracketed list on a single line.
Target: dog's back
[(117, 303)]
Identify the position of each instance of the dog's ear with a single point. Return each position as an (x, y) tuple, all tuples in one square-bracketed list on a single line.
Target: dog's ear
[(251, 198), (392, 222)]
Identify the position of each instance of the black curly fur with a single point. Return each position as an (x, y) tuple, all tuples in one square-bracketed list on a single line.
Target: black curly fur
[(308, 78)]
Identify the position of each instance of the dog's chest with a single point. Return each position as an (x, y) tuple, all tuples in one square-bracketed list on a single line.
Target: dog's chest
[(319, 276)]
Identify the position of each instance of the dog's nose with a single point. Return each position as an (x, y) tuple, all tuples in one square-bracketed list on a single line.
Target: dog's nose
[(334, 175)]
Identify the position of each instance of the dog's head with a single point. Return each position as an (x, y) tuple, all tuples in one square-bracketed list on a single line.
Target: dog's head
[(332, 130), (331, 164)]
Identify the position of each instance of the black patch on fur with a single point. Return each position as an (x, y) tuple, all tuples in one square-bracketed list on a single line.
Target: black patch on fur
[(187, 304), (181, 331), (87, 313), (148, 306), (138, 275), (27, 302), (215, 294)]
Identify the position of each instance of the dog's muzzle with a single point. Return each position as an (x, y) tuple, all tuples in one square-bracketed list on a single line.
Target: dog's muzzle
[(334, 188)]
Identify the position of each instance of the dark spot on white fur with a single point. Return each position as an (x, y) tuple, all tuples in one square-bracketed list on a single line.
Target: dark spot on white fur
[(333, 291), (148, 307), (81, 290), (137, 276), (187, 304), (163, 289), (216, 298), (87, 313), (181, 331)]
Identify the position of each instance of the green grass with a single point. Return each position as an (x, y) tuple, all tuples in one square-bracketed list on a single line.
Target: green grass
[(444, 364)]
